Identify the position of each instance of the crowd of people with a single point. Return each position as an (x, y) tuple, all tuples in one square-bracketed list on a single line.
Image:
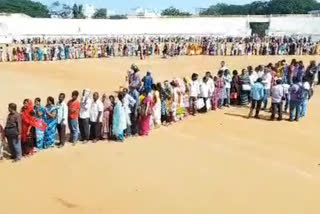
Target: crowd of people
[(144, 104), (76, 48)]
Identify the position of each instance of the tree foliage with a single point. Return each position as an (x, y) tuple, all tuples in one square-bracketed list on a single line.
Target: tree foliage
[(30, 8), (171, 11), (118, 17), (264, 8), (60, 10), (77, 11), (100, 14)]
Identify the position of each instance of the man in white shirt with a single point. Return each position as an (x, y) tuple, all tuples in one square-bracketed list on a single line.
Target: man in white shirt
[(227, 84), (128, 103), (96, 110), (266, 80), (204, 94), (84, 116), (62, 118), (223, 66), (194, 93), (278, 93)]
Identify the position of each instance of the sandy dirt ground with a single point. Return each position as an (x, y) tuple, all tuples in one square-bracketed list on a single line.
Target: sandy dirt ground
[(214, 163)]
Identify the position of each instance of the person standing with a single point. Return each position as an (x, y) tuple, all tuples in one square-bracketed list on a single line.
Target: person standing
[(266, 80), (62, 119), (39, 113), (227, 82), (2, 140), (306, 96), (296, 99), (73, 115), (277, 94), (96, 110), (257, 96), (194, 93), (106, 118), (146, 107), (245, 87), (13, 132), (51, 121), (84, 119), (119, 123)]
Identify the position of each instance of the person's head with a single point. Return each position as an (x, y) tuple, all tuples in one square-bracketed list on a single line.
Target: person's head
[(220, 73), (120, 96), (62, 96), (125, 91), (293, 62), (278, 81), (112, 99), (208, 74), (75, 95), (283, 62), (159, 86), (95, 96), (235, 72), (149, 73), (244, 71), (250, 68), (194, 77), (154, 87), (12, 107), (222, 64), (312, 63), (25, 103), (226, 72), (37, 101), (104, 97), (50, 101)]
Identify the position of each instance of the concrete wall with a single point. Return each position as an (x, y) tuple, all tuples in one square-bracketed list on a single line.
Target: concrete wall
[(18, 27)]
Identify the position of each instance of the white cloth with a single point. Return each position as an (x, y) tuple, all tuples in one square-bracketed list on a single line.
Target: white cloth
[(85, 105), (286, 88), (194, 88), (128, 102), (227, 81), (95, 108), (62, 115), (204, 90), (266, 80)]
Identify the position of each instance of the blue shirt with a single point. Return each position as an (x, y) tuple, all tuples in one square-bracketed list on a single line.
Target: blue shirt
[(257, 91)]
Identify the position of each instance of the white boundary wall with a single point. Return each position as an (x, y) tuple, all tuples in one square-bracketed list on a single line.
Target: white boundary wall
[(20, 27)]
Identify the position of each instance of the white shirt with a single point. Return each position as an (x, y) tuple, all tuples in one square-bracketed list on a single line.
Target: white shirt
[(211, 85), (204, 89), (85, 108), (277, 93), (260, 74), (127, 102), (95, 108), (194, 88), (267, 78), (62, 113), (286, 88), (227, 81)]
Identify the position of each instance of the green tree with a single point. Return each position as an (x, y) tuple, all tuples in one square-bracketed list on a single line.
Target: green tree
[(77, 11), (171, 11), (30, 8), (118, 17), (100, 14), (292, 6), (60, 10)]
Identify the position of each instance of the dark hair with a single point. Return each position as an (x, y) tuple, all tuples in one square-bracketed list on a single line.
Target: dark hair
[(235, 72), (75, 93), (51, 99), (120, 96), (37, 99), (259, 79), (25, 100), (279, 81), (62, 94), (13, 106), (194, 76), (111, 97), (220, 73)]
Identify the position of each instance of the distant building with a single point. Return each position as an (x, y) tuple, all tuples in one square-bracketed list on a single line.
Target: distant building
[(141, 12), (88, 10)]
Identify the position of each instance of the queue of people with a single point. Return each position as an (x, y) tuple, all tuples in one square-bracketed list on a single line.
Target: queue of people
[(144, 104), (76, 48)]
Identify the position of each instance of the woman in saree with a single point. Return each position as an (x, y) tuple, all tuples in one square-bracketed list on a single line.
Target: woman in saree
[(39, 113), (106, 117), (119, 122), (245, 87), (146, 107), (51, 121), (29, 122), (219, 91)]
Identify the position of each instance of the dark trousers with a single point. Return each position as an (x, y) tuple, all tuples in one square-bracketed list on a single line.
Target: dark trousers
[(255, 105), (14, 144), (84, 129), (95, 130), (134, 123), (276, 108), (62, 133)]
